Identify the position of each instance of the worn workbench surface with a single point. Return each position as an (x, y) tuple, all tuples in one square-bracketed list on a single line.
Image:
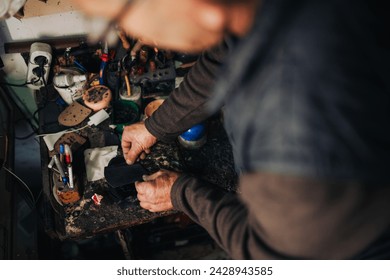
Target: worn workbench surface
[(213, 162)]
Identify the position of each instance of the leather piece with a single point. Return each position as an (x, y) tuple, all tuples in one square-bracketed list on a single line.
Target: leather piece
[(119, 174), (74, 114)]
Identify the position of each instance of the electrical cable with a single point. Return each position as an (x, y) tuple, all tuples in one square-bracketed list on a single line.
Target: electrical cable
[(19, 85), (38, 197), (15, 96), (23, 183), (43, 79), (35, 113), (33, 200), (44, 99), (35, 129), (5, 149), (65, 131), (26, 136), (16, 176), (33, 203), (30, 200)]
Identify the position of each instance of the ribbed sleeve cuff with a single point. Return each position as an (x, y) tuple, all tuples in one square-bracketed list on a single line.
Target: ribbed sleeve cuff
[(152, 128), (177, 192)]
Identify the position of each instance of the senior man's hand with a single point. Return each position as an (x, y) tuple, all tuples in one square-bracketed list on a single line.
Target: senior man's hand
[(135, 140), (154, 193)]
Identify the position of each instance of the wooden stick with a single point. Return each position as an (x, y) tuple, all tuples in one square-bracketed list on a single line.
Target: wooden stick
[(128, 85)]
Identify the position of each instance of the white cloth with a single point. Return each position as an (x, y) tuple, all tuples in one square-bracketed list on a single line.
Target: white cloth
[(97, 159)]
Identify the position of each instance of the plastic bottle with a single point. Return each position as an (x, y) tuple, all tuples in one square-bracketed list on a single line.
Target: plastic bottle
[(68, 80)]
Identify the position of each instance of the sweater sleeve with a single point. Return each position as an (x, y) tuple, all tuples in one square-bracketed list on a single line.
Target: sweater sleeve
[(280, 217), (187, 105)]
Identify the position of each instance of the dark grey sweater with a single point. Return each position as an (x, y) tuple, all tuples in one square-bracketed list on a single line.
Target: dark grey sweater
[(307, 107)]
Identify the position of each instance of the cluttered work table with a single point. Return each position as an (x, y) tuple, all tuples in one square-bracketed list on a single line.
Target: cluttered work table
[(82, 114)]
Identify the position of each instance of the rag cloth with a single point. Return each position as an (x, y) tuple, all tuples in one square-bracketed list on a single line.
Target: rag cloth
[(97, 159)]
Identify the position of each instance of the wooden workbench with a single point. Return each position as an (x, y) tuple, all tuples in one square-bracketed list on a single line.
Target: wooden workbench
[(213, 162)]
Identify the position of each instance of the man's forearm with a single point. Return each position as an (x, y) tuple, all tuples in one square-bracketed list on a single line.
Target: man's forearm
[(285, 217), (222, 214)]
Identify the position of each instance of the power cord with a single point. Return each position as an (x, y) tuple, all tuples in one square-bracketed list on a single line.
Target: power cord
[(33, 201), (20, 85), (44, 99), (14, 99), (64, 131), (41, 75), (26, 136), (24, 184)]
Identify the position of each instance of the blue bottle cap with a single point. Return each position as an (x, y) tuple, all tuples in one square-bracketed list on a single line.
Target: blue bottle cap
[(194, 133), (62, 149), (64, 180)]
